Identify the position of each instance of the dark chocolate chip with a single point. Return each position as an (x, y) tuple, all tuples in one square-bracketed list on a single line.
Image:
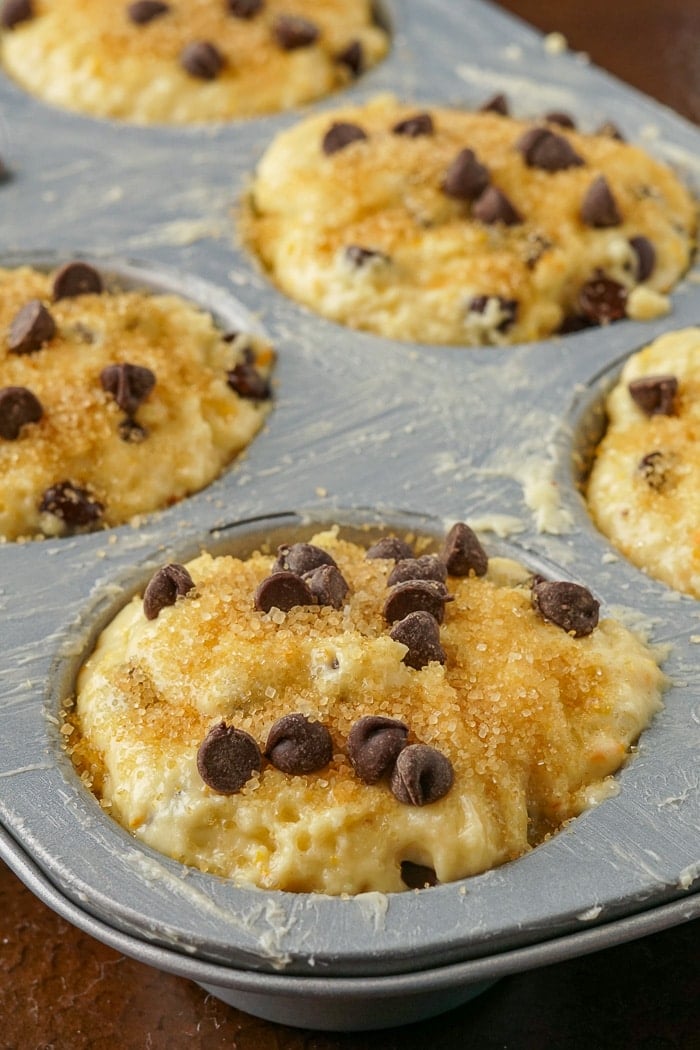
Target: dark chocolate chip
[(645, 253), (493, 206), (611, 131), (249, 383), (327, 585), (567, 605), (414, 595), (340, 135), (202, 59), (420, 632), (353, 57), (427, 567), (76, 278), (508, 309), (143, 11), (131, 431), (31, 327), (283, 590), (599, 208), (165, 587), (128, 384), (574, 323), (602, 300), (497, 103), (227, 758), (16, 11), (462, 552), (413, 127), (655, 395), (292, 32), (422, 775), (296, 745), (653, 468), (73, 505), (417, 876), (390, 547), (373, 745), (466, 178), (561, 119), (359, 256), (244, 8), (544, 149), (18, 406), (301, 558)]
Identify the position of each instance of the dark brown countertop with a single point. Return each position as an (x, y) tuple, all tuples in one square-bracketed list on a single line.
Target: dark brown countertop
[(61, 990)]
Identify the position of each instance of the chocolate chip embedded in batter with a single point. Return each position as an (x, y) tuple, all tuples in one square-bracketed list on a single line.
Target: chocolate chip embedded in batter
[(244, 8), (373, 745), (427, 567), (227, 758), (16, 11), (655, 395), (131, 431), (301, 558), (567, 605), (493, 206), (202, 59), (143, 11), (283, 590), (645, 254), (31, 328), (414, 595), (390, 547), (76, 278), (420, 632), (18, 406), (507, 308), (353, 57), (653, 468), (462, 552), (296, 745), (497, 103), (249, 383), (602, 300), (599, 208), (360, 256), (293, 31), (341, 134), (422, 775), (466, 178), (171, 582), (328, 585), (544, 149), (418, 876), (128, 384), (73, 505), (561, 119), (413, 127)]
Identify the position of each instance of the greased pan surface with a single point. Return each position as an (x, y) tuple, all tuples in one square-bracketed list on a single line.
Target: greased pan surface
[(363, 431)]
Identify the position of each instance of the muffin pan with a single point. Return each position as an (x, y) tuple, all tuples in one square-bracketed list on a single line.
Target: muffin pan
[(366, 432)]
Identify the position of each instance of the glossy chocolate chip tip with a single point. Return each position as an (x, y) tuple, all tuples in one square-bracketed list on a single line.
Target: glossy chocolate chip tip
[(373, 745), (227, 759), (566, 605), (169, 583), (422, 775), (297, 745)]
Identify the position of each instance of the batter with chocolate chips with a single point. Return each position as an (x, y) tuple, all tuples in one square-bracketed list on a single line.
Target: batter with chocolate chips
[(340, 719)]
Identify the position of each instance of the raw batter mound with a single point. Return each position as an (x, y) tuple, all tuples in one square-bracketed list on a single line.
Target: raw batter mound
[(114, 403), (338, 720), (185, 61), (447, 226), (644, 488)]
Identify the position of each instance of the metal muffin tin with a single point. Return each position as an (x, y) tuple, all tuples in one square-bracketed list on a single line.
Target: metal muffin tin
[(367, 432)]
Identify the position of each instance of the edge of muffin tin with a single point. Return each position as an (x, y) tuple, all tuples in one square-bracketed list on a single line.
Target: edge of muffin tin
[(422, 417)]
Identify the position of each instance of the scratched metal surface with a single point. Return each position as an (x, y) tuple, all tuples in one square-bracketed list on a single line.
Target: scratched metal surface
[(363, 430)]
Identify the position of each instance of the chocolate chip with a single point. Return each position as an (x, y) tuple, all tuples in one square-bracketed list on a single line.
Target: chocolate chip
[(493, 206), (603, 300), (417, 876), (227, 758), (202, 59), (653, 468), (427, 567), (301, 558), (462, 552), (544, 149), (373, 745), (359, 256), (31, 327), (599, 208), (353, 57), (567, 605), (420, 632), (655, 395), (283, 590), (129, 385), (296, 745), (340, 135), (18, 406), (390, 547), (292, 32), (611, 131), (422, 775), (561, 119), (574, 323), (171, 582), (131, 431), (144, 11), (466, 178), (507, 308), (418, 124), (244, 8), (497, 103), (415, 595), (73, 505), (249, 383), (327, 585), (645, 253), (16, 11), (76, 278)]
